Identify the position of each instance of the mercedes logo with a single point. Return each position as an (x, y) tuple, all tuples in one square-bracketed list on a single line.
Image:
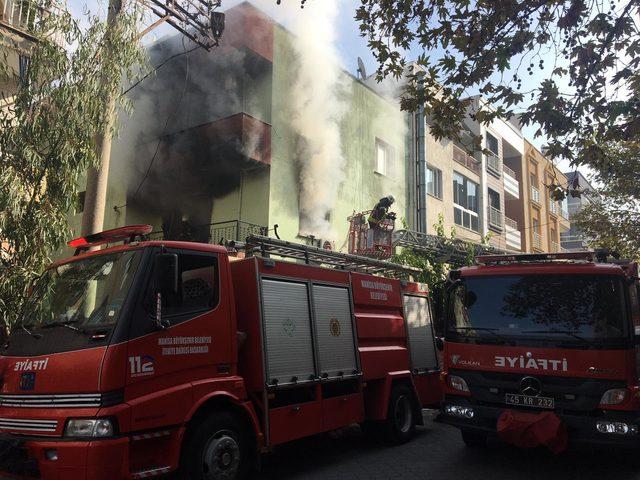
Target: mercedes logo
[(530, 386)]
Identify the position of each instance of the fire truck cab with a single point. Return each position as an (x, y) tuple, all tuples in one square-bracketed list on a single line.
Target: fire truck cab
[(543, 349), (150, 357)]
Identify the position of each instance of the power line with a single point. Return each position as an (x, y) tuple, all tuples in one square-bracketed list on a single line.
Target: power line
[(158, 67), (166, 123)]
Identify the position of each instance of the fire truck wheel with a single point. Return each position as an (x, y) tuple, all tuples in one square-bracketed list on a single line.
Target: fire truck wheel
[(217, 449), (473, 439), (400, 424)]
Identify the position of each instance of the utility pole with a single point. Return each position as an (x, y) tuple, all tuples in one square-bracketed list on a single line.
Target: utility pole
[(98, 176)]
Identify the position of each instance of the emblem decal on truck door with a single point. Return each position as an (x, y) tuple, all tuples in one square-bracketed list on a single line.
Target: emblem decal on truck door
[(334, 327), (288, 326), (141, 366)]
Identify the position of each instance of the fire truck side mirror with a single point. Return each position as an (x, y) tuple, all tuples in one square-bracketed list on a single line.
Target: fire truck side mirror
[(166, 273)]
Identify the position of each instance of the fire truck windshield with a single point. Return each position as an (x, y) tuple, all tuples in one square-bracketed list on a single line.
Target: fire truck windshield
[(557, 308), (74, 304)]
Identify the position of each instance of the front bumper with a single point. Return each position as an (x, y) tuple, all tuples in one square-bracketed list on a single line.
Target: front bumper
[(29, 458), (580, 428)]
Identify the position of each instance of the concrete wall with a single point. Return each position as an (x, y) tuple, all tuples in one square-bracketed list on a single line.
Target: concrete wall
[(439, 154)]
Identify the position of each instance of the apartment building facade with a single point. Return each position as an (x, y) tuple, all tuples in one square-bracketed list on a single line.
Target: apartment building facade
[(18, 21), (471, 191), (226, 160), (548, 219), (581, 193), (485, 188), (500, 197)]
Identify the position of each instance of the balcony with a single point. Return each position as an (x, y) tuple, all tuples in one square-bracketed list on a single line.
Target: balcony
[(553, 207), (494, 165), (496, 221), (234, 230), (535, 195), (463, 158), (537, 241), (23, 16), (565, 213), (513, 236), (511, 183), (555, 247), (220, 232)]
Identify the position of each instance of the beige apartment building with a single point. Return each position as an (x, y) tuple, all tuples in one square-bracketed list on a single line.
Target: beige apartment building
[(18, 20), (502, 195), (547, 218)]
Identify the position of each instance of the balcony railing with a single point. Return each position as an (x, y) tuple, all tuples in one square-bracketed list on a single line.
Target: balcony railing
[(555, 247), (565, 213), (535, 194), (24, 15), (494, 165), (511, 183), (236, 230), (553, 207), (537, 241), (509, 171), (512, 234), (463, 158), (495, 218)]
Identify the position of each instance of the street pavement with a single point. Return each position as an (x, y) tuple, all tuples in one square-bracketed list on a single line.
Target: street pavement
[(437, 452)]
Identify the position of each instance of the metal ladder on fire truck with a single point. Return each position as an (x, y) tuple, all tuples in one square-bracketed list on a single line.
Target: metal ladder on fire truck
[(454, 251), (267, 246)]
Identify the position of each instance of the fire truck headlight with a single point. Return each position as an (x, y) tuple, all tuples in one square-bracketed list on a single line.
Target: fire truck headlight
[(89, 428), (457, 383), (614, 397)]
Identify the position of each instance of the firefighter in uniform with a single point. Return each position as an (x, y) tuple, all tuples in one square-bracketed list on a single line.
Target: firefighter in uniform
[(378, 233), (381, 212)]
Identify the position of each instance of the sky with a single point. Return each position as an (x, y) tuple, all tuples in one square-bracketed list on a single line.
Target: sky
[(350, 44)]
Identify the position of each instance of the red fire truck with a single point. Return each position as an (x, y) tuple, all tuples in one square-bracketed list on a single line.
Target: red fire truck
[(149, 357), (542, 350)]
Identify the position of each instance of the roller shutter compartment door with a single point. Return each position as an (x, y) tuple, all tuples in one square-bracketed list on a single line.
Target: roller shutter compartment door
[(334, 332), (287, 331), (420, 333)]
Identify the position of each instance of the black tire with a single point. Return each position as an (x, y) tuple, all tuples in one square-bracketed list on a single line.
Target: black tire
[(217, 448), (400, 425), (474, 439)]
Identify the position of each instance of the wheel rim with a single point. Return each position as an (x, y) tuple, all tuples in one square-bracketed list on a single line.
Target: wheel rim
[(221, 457), (403, 414)]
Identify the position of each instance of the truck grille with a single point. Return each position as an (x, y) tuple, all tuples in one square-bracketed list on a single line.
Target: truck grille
[(79, 400), (23, 425)]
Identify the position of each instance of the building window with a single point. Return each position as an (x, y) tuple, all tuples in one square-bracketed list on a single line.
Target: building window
[(384, 157), (495, 212), (492, 144), (465, 199), (434, 182)]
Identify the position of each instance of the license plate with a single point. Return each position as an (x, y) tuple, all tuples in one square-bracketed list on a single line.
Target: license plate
[(529, 401)]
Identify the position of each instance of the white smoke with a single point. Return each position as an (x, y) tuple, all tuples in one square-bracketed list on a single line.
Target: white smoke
[(319, 106)]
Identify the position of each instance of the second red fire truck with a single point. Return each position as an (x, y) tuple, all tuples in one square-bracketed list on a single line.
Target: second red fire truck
[(154, 356), (542, 350)]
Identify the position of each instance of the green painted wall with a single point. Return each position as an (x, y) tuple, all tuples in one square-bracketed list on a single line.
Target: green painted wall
[(369, 116)]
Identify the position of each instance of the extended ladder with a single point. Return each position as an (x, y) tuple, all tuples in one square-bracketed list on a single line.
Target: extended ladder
[(266, 246), (454, 251)]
